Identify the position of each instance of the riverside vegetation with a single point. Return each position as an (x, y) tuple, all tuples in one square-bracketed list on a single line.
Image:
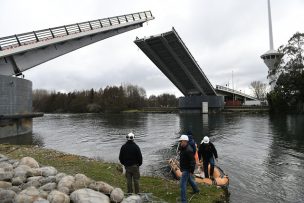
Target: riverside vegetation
[(80, 170), (110, 99), (288, 93)]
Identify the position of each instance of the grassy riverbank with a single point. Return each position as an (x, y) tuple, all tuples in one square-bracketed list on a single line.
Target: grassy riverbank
[(111, 173)]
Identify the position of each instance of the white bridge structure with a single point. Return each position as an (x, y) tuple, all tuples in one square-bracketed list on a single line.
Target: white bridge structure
[(23, 51), (171, 55)]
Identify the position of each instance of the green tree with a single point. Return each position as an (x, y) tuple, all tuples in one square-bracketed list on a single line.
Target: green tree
[(288, 94), (114, 99)]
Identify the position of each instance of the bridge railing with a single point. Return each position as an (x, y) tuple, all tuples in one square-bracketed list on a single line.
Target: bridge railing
[(219, 87), (51, 33)]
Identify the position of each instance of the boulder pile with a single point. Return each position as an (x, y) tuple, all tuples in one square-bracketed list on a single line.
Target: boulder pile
[(25, 181)]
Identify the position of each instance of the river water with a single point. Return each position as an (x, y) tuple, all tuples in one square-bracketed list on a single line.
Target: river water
[(263, 155)]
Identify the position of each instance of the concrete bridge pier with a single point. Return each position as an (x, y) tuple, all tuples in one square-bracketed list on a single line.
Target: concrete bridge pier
[(193, 104), (15, 106)]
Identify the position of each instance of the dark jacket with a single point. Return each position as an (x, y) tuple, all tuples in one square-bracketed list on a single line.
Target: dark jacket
[(130, 154), (206, 151), (187, 162)]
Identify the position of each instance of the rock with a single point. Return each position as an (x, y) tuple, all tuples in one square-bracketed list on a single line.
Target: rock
[(23, 171), (101, 187), (29, 161), (132, 199), (49, 187), (7, 196), (5, 185), (41, 201), (45, 171), (34, 183), (16, 164), (6, 166), (34, 178), (43, 194), (18, 181), (3, 158), (66, 182), (37, 172), (13, 162), (45, 180), (49, 171), (89, 196), (64, 190), (58, 197), (81, 181), (28, 195), (15, 189), (117, 195), (59, 176), (5, 174)]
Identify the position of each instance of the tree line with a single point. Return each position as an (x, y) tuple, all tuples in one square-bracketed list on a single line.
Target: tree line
[(288, 93), (109, 99)]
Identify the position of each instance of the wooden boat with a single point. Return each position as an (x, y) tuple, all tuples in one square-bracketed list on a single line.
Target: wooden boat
[(220, 178)]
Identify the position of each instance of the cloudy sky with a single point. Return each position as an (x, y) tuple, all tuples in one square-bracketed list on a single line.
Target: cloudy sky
[(224, 36)]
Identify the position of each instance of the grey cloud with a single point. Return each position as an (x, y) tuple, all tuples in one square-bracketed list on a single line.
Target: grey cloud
[(223, 36)]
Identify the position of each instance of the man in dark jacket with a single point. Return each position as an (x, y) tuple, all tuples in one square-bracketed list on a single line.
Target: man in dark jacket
[(130, 156), (207, 151), (187, 166)]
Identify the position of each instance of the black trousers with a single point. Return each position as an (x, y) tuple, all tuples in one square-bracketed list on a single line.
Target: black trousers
[(132, 175)]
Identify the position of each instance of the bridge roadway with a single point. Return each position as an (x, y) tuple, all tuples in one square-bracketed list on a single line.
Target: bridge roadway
[(24, 51), (233, 94), (169, 53)]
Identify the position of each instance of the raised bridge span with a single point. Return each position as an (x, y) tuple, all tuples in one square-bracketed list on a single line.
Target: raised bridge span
[(170, 54), (21, 52)]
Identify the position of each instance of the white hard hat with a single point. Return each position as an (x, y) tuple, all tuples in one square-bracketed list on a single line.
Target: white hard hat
[(205, 140), (130, 136), (183, 137)]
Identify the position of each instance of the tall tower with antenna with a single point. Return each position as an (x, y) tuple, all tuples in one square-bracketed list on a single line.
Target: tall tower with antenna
[(272, 57)]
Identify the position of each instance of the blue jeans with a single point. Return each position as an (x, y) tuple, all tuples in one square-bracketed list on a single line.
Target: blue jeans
[(186, 177), (206, 163)]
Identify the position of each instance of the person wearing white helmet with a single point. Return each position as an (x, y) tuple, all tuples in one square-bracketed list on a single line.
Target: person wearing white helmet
[(206, 152), (130, 156), (187, 166)]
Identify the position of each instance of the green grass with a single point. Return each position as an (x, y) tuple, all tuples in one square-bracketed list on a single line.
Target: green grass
[(111, 173)]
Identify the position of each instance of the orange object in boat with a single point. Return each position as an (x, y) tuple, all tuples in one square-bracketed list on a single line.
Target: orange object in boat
[(196, 157), (220, 178)]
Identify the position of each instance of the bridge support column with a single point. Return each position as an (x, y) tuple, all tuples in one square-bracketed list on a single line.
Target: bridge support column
[(193, 104), (15, 106)]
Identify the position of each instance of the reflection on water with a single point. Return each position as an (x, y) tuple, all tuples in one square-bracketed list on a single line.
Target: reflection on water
[(26, 139), (263, 155)]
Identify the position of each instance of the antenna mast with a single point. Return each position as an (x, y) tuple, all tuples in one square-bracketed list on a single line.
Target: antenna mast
[(270, 27)]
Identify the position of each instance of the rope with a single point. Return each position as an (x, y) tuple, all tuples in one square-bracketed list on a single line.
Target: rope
[(191, 198)]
